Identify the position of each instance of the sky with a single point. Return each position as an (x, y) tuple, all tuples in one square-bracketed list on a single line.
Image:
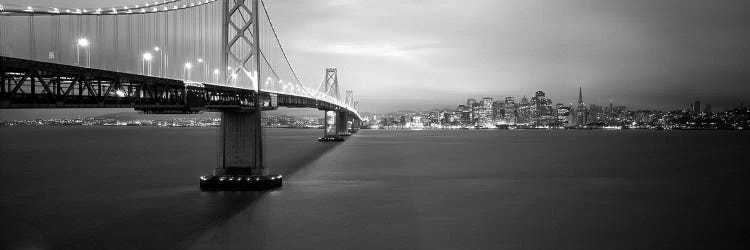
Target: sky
[(420, 54)]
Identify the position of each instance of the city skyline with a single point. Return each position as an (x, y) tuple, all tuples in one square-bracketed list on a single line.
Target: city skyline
[(643, 54), (31, 114), (540, 111), (581, 98)]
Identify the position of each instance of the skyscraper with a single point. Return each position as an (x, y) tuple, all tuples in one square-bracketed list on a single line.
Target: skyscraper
[(580, 96), (483, 112), (471, 104), (696, 108), (510, 110), (525, 110), (581, 110)]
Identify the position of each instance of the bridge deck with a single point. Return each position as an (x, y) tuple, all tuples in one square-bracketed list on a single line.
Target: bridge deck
[(27, 84)]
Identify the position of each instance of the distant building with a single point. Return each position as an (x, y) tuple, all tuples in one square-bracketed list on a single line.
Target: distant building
[(510, 113), (433, 118), (708, 109), (483, 113), (464, 115), (595, 114), (564, 115), (471, 103), (581, 112), (542, 112), (498, 111), (696, 107), (525, 111)]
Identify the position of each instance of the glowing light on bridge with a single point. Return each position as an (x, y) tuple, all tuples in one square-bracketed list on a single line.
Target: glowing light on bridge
[(188, 66), (147, 61), (83, 42)]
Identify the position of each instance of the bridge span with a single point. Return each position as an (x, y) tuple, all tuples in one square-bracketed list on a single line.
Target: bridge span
[(251, 72)]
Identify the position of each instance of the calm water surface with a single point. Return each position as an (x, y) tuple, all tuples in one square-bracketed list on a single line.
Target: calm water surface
[(126, 187)]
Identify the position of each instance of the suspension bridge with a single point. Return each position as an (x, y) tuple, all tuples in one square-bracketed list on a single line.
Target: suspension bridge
[(169, 56)]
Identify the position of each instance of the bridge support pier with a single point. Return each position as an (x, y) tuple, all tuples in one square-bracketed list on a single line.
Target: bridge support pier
[(238, 138), (342, 123), (355, 126), (240, 155), (331, 129)]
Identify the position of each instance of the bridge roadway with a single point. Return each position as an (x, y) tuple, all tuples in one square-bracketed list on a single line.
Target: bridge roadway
[(28, 84)]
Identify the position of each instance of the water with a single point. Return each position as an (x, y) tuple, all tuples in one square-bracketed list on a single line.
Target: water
[(126, 187)]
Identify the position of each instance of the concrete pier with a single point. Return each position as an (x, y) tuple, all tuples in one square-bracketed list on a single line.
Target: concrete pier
[(240, 155), (332, 126), (342, 124), (239, 139)]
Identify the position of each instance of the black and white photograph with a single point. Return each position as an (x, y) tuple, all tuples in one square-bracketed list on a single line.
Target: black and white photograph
[(363, 124)]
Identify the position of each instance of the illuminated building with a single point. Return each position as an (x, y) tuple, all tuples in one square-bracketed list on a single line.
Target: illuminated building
[(483, 113), (580, 112)]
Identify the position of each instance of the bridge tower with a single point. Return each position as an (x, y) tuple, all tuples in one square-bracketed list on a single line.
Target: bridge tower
[(241, 164), (348, 122), (334, 119), (355, 121), (332, 83)]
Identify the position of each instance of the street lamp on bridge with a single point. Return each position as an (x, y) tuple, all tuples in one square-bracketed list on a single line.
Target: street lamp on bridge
[(205, 69), (83, 42), (147, 61), (216, 76), (161, 61), (188, 66)]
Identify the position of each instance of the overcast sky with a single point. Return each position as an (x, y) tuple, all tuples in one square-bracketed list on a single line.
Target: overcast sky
[(419, 54)]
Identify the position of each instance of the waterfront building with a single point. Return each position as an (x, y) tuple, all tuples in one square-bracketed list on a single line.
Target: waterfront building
[(498, 112), (510, 111), (581, 112), (464, 115), (563, 115), (471, 103), (525, 111), (542, 113), (696, 108), (483, 113), (596, 114)]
